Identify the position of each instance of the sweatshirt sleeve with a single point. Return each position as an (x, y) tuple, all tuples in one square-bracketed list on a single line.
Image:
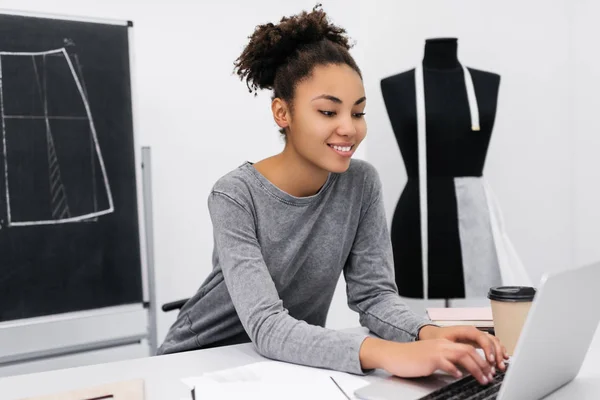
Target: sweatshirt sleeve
[(369, 274), (275, 333)]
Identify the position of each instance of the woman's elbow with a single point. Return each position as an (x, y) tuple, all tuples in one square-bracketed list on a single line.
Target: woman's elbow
[(264, 338)]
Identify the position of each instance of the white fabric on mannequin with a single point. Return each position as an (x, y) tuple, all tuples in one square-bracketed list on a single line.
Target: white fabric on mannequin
[(422, 148), (512, 269)]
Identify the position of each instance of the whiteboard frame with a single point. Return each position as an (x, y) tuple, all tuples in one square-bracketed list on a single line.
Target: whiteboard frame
[(59, 335), (64, 17)]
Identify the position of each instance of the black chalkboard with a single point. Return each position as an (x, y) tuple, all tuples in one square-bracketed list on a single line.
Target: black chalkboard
[(69, 238)]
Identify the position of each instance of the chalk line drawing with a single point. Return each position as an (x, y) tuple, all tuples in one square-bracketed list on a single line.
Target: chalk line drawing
[(59, 210)]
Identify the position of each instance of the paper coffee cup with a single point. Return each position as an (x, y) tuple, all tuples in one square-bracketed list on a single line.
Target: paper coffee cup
[(510, 306)]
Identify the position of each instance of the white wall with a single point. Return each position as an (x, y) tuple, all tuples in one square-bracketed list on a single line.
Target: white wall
[(585, 130), (201, 121)]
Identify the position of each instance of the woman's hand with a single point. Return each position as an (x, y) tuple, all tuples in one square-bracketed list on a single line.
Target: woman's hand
[(424, 357), (494, 351)]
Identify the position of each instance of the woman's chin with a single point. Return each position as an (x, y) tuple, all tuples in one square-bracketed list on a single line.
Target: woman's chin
[(338, 166)]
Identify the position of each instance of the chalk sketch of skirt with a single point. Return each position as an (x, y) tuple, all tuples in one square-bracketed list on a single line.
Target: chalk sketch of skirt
[(53, 167)]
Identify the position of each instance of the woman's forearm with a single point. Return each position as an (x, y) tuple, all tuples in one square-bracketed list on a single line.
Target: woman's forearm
[(370, 353)]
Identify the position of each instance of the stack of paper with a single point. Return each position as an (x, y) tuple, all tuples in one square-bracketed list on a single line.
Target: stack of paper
[(274, 380), (480, 317)]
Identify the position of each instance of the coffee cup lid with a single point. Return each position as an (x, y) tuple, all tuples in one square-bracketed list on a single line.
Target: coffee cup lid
[(511, 293)]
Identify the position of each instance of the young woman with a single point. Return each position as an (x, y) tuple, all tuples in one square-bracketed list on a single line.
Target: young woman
[(286, 227)]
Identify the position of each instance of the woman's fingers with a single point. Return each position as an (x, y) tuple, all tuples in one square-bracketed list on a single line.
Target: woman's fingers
[(486, 368), (477, 366), (491, 346), (500, 352), (486, 342), (493, 349), (474, 369), (450, 368)]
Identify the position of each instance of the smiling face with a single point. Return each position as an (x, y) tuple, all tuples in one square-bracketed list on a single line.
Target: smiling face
[(327, 123)]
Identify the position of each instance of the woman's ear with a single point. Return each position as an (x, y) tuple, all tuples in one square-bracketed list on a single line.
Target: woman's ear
[(281, 113)]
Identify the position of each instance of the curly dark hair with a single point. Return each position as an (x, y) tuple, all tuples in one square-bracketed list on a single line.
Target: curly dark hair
[(279, 56)]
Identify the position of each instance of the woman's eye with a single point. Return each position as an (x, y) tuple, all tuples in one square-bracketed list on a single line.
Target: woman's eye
[(333, 113)]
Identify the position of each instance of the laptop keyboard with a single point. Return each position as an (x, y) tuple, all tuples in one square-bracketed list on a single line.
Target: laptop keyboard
[(468, 388)]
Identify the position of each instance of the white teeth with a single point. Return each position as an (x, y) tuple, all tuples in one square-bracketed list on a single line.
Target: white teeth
[(340, 148)]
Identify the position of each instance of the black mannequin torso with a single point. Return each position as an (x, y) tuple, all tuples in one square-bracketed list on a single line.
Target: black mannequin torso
[(453, 150)]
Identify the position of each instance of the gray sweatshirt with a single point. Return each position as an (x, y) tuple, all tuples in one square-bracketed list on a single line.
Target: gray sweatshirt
[(277, 259)]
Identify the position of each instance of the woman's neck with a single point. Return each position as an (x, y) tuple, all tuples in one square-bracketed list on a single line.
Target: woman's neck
[(441, 54), (292, 173)]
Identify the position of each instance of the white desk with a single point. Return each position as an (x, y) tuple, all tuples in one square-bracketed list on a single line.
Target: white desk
[(163, 374)]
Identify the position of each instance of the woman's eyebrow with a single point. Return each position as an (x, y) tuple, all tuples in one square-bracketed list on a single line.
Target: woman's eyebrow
[(337, 100)]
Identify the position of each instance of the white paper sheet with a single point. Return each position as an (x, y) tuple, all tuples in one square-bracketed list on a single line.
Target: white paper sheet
[(274, 380)]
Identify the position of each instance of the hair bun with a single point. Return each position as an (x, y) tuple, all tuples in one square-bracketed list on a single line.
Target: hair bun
[(272, 45)]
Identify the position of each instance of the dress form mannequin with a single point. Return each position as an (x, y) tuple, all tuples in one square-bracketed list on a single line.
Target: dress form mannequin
[(461, 258)]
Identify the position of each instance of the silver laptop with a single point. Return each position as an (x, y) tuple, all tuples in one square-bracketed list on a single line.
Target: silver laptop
[(556, 336)]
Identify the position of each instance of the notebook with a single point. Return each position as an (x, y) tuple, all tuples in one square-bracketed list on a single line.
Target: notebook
[(481, 317)]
